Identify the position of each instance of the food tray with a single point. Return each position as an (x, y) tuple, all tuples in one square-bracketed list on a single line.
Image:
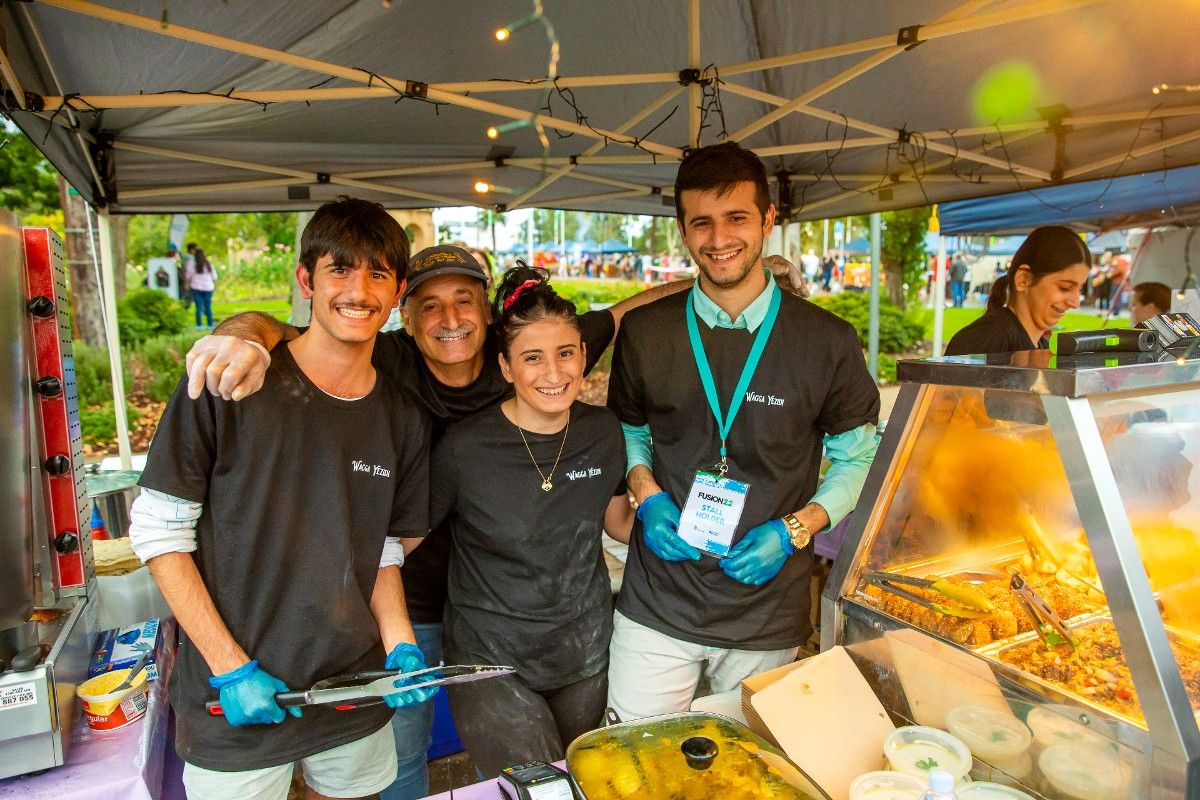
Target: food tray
[(1128, 711)]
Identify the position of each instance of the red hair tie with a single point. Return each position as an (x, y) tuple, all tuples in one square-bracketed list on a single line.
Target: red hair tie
[(512, 298)]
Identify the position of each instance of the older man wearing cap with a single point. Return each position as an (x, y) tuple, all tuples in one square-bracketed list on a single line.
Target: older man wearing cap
[(447, 355)]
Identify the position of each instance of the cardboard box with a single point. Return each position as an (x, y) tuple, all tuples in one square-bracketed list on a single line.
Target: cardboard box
[(822, 713), (120, 648)]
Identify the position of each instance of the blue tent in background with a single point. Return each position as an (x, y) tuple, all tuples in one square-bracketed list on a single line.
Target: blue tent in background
[(859, 246), (615, 246), (1165, 197)]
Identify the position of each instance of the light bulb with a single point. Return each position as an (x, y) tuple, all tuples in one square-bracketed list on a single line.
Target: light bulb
[(502, 34), (492, 133), (482, 187)]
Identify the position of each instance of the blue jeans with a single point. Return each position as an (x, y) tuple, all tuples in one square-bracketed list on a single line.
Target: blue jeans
[(203, 302), (413, 728), (958, 290)]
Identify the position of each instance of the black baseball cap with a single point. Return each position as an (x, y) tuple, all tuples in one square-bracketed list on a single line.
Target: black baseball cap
[(445, 259)]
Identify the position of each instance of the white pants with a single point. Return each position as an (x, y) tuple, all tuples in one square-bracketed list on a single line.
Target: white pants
[(360, 768), (652, 673)]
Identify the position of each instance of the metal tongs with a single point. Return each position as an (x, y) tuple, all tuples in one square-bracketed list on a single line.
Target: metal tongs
[(349, 691), (1049, 625), (972, 603)]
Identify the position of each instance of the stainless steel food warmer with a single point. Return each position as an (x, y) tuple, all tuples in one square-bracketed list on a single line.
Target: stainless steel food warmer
[(1080, 477)]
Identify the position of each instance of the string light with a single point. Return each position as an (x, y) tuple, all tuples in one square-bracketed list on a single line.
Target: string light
[(1182, 87), (495, 131), (503, 34), (482, 187)]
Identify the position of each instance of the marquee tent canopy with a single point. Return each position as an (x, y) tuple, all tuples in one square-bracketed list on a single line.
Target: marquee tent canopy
[(1164, 197), (856, 106)]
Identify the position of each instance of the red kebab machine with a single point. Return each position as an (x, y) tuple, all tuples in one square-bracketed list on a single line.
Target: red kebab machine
[(47, 580)]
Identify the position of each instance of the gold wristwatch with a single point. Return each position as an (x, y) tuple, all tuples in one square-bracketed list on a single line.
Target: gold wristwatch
[(797, 531)]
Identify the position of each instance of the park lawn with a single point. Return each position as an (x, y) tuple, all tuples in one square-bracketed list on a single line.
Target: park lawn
[(955, 319), (281, 308)]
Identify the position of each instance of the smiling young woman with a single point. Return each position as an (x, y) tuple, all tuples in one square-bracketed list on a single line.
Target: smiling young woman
[(528, 487), (1047, 276)]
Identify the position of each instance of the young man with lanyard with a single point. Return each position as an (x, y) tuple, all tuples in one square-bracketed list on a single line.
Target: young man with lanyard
[(273, 529), (727, 396), (448, 355)]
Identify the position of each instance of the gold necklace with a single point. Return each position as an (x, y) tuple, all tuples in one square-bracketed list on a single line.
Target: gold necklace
[(547, 478)]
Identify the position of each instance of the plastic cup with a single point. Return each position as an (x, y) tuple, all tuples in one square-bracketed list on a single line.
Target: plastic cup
[(917, 749), (886, 786), (1086, 772), (1053, 725), (106, 710), (1011, 773), (990, 734)]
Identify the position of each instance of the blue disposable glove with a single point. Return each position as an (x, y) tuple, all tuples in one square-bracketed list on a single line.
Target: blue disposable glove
[(660, 529), (759, 556), (248, 696), (407, 657)]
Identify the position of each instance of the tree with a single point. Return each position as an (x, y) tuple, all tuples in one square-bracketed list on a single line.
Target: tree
[(28, 184), (902, 252)]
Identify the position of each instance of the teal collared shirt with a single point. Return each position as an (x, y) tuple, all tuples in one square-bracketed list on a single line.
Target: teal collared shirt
[(850, 453), (750, 318)]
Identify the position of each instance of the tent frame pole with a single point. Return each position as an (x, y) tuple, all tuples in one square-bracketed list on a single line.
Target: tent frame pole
[(1136, 153), (694, 89), (111, 334)]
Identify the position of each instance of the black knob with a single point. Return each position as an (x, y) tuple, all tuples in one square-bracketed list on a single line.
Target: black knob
[(699, 752), (57, 465), (66, 542), (40, 306), (48, 386)]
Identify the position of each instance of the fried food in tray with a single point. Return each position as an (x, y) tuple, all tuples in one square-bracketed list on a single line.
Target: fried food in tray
[(1096, 669), (1008, 619)]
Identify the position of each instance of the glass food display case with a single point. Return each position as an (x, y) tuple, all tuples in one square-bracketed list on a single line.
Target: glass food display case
[(1023, 569)]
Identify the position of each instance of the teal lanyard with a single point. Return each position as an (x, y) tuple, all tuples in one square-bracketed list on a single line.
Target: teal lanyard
[(725, 424)]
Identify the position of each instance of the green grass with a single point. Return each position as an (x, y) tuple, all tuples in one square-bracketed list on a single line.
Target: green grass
[(955, 319), (280, 309)]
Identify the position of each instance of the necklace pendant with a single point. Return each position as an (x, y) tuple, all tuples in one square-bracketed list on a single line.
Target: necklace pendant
[(547, 485)]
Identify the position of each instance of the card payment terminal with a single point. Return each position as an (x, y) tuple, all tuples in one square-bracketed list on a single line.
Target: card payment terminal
[(538, 780)]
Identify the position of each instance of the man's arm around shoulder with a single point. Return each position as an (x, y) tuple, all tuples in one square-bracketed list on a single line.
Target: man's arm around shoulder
[(233, 360)]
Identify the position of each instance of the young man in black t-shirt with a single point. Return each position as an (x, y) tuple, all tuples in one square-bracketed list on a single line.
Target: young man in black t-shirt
[(273, 529), (808, 390)]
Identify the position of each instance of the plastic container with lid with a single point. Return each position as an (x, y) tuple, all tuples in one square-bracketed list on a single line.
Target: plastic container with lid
[(917, 749), (990, 734), (990, 791), (1053, 725), (886, 786), (1086, 772), (1011, 772)]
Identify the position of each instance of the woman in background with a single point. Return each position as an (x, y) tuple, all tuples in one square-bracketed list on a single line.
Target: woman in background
[(1048, 272), (203, 280)]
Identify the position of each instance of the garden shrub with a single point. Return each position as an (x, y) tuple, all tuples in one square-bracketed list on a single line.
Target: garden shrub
[(143, 313), (898, 330)]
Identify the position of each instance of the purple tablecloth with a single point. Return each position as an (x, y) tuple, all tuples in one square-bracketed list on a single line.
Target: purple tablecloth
[(125, 764)]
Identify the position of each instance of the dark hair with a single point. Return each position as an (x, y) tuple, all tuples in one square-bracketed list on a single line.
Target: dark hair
[(719, 167), (1152, 293), (202, 264), (355, 231), (1046, 250), (524, 297)]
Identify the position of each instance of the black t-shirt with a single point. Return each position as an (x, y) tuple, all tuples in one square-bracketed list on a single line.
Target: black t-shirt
[(997, 331), (396, 354), (299, 490), (812, 380), (527, 584)]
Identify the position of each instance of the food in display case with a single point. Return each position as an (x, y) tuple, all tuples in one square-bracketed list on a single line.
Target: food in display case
[(1096, 670), (1007, 619)]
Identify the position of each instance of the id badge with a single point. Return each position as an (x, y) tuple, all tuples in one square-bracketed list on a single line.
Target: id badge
[(712, 512)]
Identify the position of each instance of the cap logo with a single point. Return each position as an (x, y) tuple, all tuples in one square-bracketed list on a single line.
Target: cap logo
[(433, 259)]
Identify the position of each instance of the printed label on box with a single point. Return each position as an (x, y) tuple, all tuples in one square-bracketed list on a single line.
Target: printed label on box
[(18, 696)]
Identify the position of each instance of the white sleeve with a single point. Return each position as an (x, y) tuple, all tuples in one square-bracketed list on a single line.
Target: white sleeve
[(161, 523), (393, 553)]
